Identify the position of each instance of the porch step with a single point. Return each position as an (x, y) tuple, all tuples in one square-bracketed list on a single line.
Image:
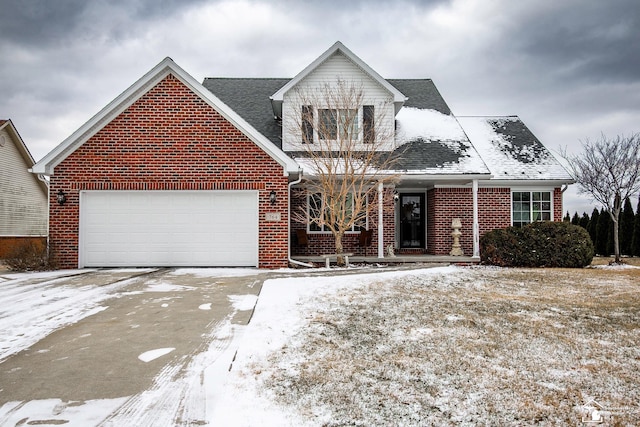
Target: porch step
[(411, 251)]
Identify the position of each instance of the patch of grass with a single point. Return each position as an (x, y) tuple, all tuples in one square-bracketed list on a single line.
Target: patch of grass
[(483, 346)]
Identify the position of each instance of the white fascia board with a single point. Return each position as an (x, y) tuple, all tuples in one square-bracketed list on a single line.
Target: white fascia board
[(453, 177), (278, 97), (47, 164), (18, 141), (539, 183), (133, 93)]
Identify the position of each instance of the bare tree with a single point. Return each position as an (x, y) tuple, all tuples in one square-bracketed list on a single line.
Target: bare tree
[(345, 143), (608, 169)]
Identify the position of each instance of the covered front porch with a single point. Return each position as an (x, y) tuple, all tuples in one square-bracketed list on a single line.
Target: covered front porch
[(413, 219)]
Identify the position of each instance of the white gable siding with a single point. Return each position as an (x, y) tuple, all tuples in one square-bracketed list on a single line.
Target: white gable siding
[(337, 67), (23, 204)]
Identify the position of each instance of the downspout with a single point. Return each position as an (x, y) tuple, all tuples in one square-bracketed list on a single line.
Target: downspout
[(476, 226), (291, 260), (380, 221)]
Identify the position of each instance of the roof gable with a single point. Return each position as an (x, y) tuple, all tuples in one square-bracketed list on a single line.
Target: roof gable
[(278, 97), (16, 139), (133, 93)]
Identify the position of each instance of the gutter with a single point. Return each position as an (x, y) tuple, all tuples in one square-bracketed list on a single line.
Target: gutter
[(291, 260)]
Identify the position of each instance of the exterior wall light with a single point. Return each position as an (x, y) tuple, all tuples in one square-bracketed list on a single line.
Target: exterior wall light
[(272, 197), (61, 197)]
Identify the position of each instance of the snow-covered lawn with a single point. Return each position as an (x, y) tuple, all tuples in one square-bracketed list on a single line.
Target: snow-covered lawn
[(446, 346), (440, 346)]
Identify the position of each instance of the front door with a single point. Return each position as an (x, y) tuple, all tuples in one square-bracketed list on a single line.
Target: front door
[(412, 220)]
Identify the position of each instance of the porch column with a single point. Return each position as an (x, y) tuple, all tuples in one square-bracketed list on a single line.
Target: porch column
[(380, 221), (476, 226)]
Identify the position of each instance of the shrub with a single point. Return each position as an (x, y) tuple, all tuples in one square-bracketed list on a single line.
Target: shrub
[(31, 256), (539, 244)]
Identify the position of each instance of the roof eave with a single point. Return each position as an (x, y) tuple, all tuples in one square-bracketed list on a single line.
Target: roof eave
[(556, 182)]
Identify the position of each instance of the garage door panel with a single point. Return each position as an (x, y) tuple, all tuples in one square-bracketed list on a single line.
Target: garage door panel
[(199, 228)]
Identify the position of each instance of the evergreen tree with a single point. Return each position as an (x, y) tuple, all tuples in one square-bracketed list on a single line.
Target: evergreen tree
[(602, 234), (566, 218), (626, 227), (575, 220), (584, 221), (636, 232), (592, 227)]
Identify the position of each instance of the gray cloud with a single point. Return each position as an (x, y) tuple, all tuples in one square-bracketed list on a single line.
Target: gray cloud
[(569, 69), (592, 41)]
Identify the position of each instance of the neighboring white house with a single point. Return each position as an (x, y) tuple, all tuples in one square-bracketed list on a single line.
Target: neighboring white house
[(23, 195)]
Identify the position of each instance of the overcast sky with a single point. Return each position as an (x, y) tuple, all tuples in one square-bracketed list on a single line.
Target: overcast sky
[(569, 68)]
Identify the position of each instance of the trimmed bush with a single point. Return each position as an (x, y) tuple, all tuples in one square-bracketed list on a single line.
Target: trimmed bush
[(539, 244)]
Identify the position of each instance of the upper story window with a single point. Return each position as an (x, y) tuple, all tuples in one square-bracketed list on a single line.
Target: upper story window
[(530, 206), (337, 124)]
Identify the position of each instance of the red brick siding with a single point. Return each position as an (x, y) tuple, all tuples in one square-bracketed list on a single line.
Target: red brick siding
[(557, 204), (169, 139), (444, 204), (324, 243), (494, 208), (494, 211)]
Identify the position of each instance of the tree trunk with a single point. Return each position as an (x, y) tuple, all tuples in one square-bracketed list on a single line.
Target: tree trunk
[(616, 241), (615, 215), (339, 248)]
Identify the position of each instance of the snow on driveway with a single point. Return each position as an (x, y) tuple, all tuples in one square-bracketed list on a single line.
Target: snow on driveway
[(34, 305)]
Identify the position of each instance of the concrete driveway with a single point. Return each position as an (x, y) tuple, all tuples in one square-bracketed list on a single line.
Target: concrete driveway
[(136, 353)]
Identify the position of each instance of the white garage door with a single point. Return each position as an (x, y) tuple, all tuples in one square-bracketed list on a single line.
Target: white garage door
[(168, 228)]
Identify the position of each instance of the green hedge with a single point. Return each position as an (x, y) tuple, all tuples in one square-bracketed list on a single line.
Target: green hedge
[(539, 244)]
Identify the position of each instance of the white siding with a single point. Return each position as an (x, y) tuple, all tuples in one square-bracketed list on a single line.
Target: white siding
[(337, 67), (23, 203)]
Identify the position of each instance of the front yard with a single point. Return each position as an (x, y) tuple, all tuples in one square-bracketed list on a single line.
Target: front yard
[(446, 346)]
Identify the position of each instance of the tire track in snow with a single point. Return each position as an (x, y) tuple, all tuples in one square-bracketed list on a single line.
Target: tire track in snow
[(178, 395)]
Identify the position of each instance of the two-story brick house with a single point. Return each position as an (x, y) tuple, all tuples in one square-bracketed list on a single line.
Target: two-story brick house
[(178, 173)]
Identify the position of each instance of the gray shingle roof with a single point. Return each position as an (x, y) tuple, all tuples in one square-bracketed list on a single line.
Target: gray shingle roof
[(249, 98), (422, 93), (511, 150), (502, 146)]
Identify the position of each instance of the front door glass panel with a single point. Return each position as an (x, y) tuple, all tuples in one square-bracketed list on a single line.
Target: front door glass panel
[(412, 222)]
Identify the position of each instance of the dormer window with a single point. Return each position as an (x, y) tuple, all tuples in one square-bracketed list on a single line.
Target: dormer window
[(334, 124)]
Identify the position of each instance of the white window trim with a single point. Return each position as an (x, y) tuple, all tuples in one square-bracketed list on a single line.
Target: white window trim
[(551, 191), (316, 125)]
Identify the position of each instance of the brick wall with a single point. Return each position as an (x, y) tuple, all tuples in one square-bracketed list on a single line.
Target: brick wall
[(324, 243), (169, 139), (494, 211), (443, 205)]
